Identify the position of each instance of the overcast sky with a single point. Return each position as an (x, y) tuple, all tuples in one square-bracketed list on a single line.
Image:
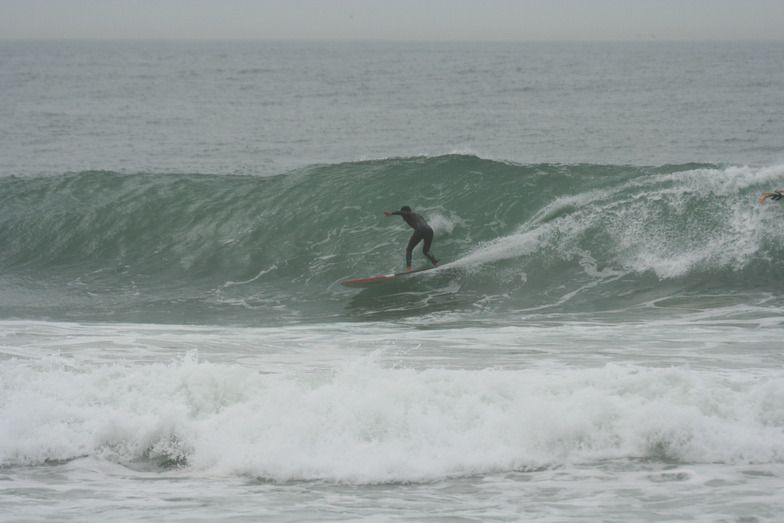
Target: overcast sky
[(512, 20)]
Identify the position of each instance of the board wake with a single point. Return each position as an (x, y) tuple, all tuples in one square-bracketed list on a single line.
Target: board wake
[(384, 278)]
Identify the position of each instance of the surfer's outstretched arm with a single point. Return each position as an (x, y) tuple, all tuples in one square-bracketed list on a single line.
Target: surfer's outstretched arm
[(775, 195)]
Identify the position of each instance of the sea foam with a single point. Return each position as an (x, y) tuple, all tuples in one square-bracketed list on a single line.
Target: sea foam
[(364, 422)]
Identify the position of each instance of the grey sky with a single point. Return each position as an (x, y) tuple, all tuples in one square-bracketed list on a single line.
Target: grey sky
[(394, 19)]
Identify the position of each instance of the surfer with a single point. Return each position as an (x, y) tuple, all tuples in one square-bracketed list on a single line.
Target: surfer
[(422, 231), (775, 195)]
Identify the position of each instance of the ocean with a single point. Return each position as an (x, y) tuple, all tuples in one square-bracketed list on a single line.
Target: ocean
[(603, 343)]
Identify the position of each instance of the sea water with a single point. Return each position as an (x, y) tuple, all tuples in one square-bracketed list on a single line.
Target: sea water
[(604, 342)]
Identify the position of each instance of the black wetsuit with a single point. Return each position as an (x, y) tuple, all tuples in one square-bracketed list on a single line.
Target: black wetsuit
[(422, 231)]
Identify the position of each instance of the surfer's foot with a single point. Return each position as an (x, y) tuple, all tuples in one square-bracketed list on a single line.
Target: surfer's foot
[(408, 269)]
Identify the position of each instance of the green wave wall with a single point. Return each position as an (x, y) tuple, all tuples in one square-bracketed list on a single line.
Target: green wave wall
[(190, 247)]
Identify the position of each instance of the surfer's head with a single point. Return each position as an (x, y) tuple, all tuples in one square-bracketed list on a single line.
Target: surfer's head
[(406, 208)]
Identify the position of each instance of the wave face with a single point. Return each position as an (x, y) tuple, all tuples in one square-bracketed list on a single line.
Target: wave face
[(518, 238)]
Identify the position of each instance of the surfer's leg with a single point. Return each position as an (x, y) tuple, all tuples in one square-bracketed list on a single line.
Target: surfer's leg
[(426, 247), (415, 239)]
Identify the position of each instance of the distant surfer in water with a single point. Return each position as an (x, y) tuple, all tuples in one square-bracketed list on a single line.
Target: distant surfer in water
[(422, 231), (775, 195)]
